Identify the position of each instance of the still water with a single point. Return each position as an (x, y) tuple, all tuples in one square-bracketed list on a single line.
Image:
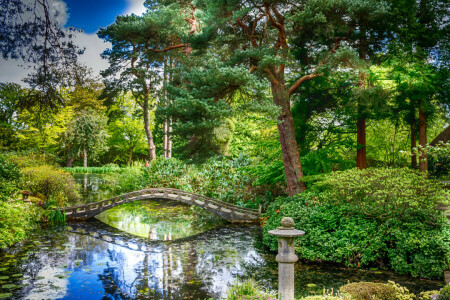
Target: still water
[(92, 187), (170, 251)]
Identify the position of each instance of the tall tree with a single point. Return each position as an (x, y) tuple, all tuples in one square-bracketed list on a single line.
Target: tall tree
[(419, 40), (131, 55), (265, 37), (87, 135)]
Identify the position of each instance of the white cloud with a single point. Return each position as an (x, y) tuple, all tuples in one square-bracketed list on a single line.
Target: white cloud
[(58, 9), (94, 47), (136, 7), (10, 71)]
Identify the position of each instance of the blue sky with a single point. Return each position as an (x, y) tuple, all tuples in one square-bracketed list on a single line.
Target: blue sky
[(92, 14), (88, 15)]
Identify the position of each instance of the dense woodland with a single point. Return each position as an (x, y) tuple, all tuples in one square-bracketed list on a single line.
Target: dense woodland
[(279, 104)]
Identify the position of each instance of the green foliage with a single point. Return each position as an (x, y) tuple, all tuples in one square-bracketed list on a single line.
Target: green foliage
[(444, 294), (55, 216), (28, 159), (369, 291), (248, 290), (9, 178), (366, 219), (438, 160), (17, 219), (87, 132), (55, 184), (220, 178), (109, 168), (383, 193)]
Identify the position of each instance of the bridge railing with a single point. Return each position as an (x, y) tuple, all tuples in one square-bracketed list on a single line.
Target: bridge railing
[(163, 193)]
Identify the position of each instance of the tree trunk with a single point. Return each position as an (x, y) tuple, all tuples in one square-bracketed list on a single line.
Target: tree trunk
[(361, 158), (165, 125), (148, 132), (413, 145), (69, 162), (361, 162), (422, 139), (84, 156), (130, 157), (291, 156), (169, 125)]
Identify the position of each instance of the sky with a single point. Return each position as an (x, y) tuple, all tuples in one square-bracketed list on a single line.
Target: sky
[(88, 15)]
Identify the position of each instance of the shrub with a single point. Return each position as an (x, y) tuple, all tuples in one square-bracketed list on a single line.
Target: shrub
[(52, 183), (9, 179), (444, 294), (341, 225), (28, 159), (248, 290), (382, 193), (219, 178), (17, 219), (369, 291)]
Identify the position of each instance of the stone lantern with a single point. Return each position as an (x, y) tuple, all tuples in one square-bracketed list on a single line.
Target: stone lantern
[(286, 257)]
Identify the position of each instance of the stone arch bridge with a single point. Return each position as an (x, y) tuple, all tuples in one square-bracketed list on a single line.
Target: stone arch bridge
[(227, 211)]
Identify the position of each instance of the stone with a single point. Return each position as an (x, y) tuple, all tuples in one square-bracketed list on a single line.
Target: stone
[(286, 257)]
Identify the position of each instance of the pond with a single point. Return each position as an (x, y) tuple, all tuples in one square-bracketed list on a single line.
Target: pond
[(93, 187), (170, 252)]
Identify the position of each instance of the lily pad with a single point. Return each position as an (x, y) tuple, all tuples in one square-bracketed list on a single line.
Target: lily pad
[(67, 245), (3, 269), (17, 275), (4, 277), (8, 286), (311, 285), (62, 276), (40, 278), (5, 295), (378, 272), (69, 228), (87, 269), (79, 248)]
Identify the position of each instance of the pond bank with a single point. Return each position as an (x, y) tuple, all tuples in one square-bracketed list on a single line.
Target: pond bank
[(92, 260)]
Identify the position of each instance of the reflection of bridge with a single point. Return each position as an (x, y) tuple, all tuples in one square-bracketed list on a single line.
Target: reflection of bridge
[(225, 210)]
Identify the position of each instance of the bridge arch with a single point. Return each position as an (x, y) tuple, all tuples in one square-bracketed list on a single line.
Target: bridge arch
[(227, 211)]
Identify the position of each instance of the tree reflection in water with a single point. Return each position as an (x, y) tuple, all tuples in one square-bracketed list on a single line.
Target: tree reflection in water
[(92, 260)]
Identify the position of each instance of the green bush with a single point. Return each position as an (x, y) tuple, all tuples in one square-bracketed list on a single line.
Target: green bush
[(28, 159), (9, 178), (382, 193), (341, 225), (53, 183), (369, 291), (17, 219), (444, 294), (438, 160), (248, 290), (382, 291), (219, 178)]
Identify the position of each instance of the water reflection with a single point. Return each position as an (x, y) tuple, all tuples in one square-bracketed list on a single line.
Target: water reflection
[(78, 263), (93, 187), (165, 250), (159, 219)]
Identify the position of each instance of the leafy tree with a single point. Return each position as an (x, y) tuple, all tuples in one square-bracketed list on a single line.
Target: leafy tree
[(418, 53), (130, 55), (86, 134), (126, 128), (10, 94), (276, 42), (33, 31)]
